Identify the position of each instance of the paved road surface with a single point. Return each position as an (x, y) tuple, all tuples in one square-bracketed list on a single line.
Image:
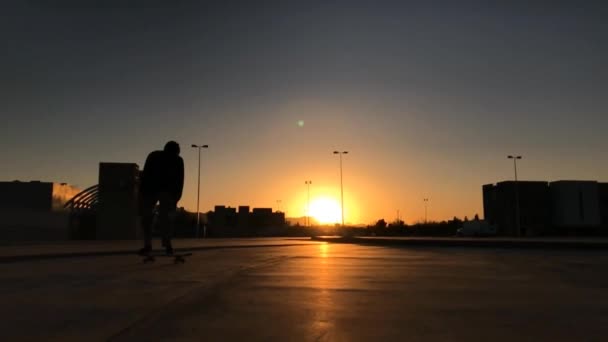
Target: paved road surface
[(311, 292)]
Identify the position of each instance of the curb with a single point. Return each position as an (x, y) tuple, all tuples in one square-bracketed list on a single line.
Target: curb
[(475, 243)]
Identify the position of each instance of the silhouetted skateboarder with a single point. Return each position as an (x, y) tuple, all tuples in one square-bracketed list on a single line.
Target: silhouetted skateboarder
[(162, 181)]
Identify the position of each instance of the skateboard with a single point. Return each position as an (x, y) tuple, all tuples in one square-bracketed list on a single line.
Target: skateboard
[(178, 258)]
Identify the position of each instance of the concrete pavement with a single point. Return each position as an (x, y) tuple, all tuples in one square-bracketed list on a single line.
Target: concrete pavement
[(311, 292), (21, 251), (18, 252)]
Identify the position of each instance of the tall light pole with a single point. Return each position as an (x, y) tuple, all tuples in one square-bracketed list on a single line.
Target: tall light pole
[(517, 214), (278, 205), (308, 182), (198, 191), (426, 201), (341, 184)]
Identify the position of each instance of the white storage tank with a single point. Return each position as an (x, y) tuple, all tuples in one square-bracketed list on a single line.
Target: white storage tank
[(575, 203)]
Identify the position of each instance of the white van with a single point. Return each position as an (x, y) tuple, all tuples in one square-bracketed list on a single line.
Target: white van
[(477, 228)]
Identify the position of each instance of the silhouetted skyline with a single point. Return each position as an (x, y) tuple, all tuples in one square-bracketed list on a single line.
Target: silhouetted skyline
[(428, 97)]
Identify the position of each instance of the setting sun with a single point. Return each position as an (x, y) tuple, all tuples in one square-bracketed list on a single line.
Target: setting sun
[(325, 210)]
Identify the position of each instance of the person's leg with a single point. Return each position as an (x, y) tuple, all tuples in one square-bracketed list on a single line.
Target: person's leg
[(167, 211), (148, 202)]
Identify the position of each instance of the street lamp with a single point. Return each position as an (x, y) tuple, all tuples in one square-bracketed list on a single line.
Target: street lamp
[(341, 184), (517, 214), (278, 206), (308, 182), (426, 201), (198, 191)]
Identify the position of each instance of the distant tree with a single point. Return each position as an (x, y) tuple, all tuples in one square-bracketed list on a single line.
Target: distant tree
[(476, 217), (397, 223), (381, 223), (466, 219)]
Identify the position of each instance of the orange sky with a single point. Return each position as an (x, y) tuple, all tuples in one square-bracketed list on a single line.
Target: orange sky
[(429, 100), (382, 173)]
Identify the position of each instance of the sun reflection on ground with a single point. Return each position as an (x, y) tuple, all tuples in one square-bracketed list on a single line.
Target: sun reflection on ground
[(323, 248), (323, 323)]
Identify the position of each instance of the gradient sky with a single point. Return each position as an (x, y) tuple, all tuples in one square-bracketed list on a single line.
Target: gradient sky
[(427, 96)]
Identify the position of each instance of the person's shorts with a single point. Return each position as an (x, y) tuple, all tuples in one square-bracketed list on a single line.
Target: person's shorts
[(166, 202)]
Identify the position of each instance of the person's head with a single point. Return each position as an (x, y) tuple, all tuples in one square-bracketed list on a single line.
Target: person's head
[(172, 148)]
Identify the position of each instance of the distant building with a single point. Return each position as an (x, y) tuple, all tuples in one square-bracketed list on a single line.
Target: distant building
[(243, 217), (226, 221), (35, 195), (118, 210), (34, 210), (545, 207), (500, 206), (265, 218), (603, 194)]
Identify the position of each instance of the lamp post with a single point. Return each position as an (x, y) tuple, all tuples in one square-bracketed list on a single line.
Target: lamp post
[(278, 205), (198, 191), (308, 182), (341, 184), (517, 214), (426, 201)]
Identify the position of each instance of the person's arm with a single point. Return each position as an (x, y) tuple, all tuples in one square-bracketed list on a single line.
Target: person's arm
[(146, 169), (180, 178)]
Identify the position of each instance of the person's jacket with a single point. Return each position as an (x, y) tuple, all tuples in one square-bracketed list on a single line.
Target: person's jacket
[(163, 172)]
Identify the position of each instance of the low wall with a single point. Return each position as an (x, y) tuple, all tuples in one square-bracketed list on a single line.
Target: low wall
[(33, 225)]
